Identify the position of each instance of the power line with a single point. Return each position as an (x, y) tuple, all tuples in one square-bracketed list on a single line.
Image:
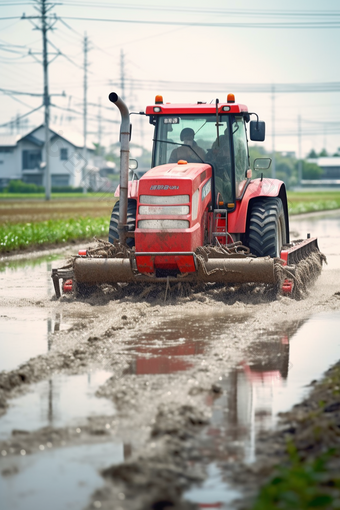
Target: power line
[(17, 93), (82, 113), (225, 12), (239, 87), (63, 55), (21, 116), (276, 25)]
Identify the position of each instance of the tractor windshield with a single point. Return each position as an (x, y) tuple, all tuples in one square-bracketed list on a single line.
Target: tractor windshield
[(197, 139)]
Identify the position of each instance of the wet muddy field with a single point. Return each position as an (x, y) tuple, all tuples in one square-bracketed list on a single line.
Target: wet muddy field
[(118, 402)]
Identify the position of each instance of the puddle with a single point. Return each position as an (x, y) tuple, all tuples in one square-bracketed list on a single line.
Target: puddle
[(168, 348), (26, 332), (214, 492), (274, 376), (327, 229), (27, 279), (56, 479), (58, 402)]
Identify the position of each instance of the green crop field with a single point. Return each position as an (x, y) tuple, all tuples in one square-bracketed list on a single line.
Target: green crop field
[(29, 221), (310, 201)]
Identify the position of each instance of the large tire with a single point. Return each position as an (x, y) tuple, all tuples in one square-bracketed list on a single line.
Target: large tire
[(131, 221), (267, 227)]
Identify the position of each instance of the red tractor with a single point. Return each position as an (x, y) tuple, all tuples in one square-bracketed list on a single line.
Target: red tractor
[(197, 214)]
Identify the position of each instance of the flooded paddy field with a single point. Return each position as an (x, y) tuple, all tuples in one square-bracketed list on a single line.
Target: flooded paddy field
[(116, 402)]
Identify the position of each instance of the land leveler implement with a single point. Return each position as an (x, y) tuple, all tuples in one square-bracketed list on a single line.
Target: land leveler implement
[(197, 215)]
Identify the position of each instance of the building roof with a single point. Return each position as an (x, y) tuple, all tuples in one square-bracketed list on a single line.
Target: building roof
[(71, 137), (326, 162), (8, 140)]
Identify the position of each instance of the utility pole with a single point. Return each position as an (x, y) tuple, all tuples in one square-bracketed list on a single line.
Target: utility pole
[(99, 126), (299, 153), (43, 8), (85, 115), (122, 74), (46, 103), (273, 134)]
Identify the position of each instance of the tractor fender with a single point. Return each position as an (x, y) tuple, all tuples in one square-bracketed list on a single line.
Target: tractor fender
[(132, 190), (237, 220)]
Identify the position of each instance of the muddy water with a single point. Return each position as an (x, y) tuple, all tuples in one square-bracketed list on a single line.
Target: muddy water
[(63, 479), (273, 374), (324, 226), (169, 348), (23, 334), (61, 401)]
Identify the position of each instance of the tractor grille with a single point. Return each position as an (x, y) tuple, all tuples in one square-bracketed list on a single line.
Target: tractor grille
[(164, 200), (166, 210)]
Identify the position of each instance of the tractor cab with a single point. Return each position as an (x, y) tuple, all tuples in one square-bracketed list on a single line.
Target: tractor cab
[(205, 133)]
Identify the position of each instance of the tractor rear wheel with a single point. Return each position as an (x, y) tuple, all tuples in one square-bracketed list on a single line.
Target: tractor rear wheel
[(131, 221), (267, 227)]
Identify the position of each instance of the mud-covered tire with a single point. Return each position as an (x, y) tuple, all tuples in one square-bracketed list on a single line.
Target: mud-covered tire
[(267, 227), (131, 221), (83, 289)]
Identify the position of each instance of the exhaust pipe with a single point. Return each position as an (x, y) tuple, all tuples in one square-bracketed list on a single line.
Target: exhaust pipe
[(124, 164)]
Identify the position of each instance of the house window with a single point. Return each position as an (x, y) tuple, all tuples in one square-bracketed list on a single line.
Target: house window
[(33, 179), (60, 180), (63, 154), (31, 159)]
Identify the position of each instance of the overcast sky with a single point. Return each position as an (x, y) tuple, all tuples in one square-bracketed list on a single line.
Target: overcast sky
[(192, 51)]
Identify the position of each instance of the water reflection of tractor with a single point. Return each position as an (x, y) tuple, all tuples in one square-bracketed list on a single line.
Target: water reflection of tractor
[(197, 215), (247, 403), (164, 360)]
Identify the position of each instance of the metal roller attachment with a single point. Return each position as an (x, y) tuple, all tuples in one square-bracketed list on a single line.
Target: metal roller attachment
[(229, 270)]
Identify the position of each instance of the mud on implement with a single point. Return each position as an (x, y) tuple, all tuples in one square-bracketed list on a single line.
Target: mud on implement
[(197, 215)]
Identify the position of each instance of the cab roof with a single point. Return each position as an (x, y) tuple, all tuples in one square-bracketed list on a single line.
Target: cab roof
[(196, 108)]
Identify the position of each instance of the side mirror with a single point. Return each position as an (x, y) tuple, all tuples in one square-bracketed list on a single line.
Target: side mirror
[(133, 164), (257, 130), (262, 164)]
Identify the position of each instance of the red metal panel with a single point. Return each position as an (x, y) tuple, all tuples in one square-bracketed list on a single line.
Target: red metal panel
[(132, 189), (188, 239), (148, 264)]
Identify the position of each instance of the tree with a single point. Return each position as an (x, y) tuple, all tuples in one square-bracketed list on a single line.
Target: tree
[(312, 154), (323, 154), (311, 171)]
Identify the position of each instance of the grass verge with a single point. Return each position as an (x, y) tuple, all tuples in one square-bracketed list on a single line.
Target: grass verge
[(309, 448), (22, 235)]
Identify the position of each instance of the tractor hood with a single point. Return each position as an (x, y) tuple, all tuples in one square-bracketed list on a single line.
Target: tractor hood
[(174, 178)]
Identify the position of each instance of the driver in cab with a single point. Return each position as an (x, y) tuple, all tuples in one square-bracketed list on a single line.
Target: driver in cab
[(189, 151), (219, 157)]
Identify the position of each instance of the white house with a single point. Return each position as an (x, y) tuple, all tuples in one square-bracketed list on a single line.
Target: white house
[(22, 158), (331, 171)]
